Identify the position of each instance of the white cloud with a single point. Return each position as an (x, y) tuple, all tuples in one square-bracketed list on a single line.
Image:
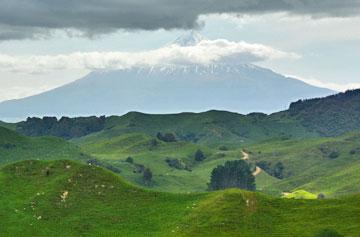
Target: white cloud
[(204, 52), (330, 85)]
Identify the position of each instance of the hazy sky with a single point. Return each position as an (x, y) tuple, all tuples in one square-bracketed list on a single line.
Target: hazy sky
[(44, 44)]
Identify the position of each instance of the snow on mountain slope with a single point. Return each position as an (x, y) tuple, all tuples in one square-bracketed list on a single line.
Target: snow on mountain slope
[(239, 87)]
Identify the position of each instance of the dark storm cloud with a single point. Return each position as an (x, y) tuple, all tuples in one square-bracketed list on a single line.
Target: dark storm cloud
[(27, 18)]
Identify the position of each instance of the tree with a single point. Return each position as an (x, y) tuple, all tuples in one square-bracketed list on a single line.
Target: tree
[(147, 175), (199, 155), (233, 174)]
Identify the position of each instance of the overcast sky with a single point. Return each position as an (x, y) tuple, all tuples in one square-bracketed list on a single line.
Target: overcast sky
[(44, 43)]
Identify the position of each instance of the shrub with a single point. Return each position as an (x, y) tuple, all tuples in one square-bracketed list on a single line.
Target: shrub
[(321, 196), (328, 233), (167, 137), (334, 155), (199, 155), (177, 164), (147, 176), (129, 160), (223, 148)]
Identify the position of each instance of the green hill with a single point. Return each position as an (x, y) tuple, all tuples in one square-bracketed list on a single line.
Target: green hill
[(322, 117), (185, 175), (326, 165), (15, 147), (63, 198)]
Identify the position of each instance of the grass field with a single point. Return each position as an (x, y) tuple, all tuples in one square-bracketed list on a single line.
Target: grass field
[(15, 147), (324, 165), (81, 200)]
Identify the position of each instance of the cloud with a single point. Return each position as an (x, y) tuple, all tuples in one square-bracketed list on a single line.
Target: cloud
[(340, 87), (204, 52), (29, 18)]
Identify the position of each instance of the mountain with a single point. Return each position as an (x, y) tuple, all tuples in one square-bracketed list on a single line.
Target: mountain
[(167, 88), (82, 200)]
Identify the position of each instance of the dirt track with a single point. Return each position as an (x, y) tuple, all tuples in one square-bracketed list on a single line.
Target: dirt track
[(246, 156)]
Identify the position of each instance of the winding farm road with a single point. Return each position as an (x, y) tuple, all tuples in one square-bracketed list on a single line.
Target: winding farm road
[(246, 156)]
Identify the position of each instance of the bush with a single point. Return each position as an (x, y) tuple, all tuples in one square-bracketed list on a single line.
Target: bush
[(129, 160), (328, 233), (334, 155), (321, 196), (199, 155), (233, 174), (167, 137), (223, 148), (147, 176), (177, 164)]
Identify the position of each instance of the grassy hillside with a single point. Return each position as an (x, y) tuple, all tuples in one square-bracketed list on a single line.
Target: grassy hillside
[(15, 147), (11, 126), (152, 153), (323, 117), (326, 165), (81, 200), (319, 165)]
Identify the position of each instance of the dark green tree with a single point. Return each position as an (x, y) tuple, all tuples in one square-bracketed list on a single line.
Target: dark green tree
[(233, 174)]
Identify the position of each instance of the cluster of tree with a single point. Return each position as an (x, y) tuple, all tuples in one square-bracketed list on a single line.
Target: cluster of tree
[(166, 137), (177, 164), (65, 127), (103, 164), (233, 174), (277, 170)]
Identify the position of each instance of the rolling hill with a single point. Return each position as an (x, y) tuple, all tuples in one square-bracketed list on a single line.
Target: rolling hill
[(324, 165), (15, 147), (82, 200), (321, 117)]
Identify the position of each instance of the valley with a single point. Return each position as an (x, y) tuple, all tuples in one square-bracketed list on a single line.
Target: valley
[(158, 168)]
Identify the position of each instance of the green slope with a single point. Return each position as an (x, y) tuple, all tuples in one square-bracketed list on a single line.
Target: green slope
[(116, 149), (15, 147), (82, 200), (308, 163), (326, 165), (323, 117)]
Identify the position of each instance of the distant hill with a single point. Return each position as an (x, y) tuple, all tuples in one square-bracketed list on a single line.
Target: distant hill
[(82, 200), (237, 87), (329, 116), (15, 147), (322, 117)]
